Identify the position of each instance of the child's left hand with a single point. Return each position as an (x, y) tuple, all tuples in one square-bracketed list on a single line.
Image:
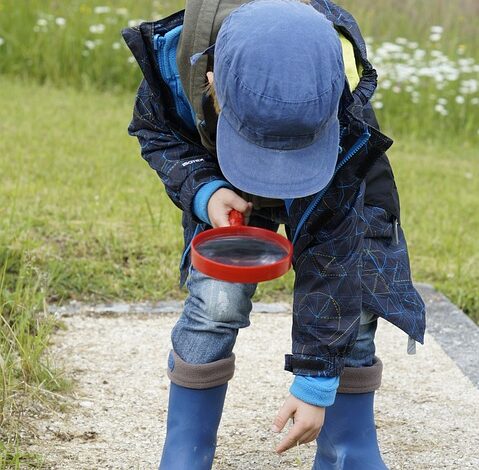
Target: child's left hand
[(307, 422)]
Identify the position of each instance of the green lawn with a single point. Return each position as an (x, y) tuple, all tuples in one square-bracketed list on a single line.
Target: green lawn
[(94, 219)]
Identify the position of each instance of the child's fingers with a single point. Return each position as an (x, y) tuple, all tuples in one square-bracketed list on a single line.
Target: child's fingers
[(282, 417), (248, 213), (239, 203), (295, 436)]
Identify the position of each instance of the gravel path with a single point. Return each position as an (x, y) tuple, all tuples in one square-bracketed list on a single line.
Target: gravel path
[(427, 409)]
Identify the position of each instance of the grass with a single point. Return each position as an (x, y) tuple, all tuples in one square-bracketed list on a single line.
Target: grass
[(94, 219), (28, 380), (89, 52)]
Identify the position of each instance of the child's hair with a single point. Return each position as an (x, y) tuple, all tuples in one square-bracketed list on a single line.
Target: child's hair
[(210, 91)]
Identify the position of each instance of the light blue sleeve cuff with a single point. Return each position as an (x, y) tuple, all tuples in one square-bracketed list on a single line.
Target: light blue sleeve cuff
[(319, 391), (202, 197)]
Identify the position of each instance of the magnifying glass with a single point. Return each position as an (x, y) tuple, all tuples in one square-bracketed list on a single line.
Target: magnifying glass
[(240, 253)]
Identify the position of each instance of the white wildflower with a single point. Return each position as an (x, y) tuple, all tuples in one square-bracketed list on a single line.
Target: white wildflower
[(131, 60), (402, 41), (468, 175), (435, 37), (386, 84), (439, 108), (415, 95), (419, 54), (414, 79), (437, 29), (465, 61), (475, 101), (42, 22), (2, 41), (101, 10), (90, 44), (60, 21), (378, 104), (116, 45), (396, 89), (442, 101), (469, 87), (460, 99), (121, 11), (97, 28)]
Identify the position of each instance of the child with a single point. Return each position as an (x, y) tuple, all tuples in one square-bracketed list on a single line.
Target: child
[(291, 140)]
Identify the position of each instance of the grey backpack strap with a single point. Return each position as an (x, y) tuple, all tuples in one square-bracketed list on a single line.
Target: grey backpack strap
[(202, 21)]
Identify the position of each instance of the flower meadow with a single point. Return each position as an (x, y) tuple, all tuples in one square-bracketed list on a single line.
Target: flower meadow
[(428, 79)]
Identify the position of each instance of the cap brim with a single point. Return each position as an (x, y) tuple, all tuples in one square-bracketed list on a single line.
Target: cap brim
[(277, 174)]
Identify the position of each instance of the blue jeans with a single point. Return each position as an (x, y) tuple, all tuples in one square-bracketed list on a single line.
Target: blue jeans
[(215, 310)]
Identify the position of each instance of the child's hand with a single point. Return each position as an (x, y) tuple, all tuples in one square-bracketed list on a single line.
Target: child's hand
[(222, 202), (308, 421)]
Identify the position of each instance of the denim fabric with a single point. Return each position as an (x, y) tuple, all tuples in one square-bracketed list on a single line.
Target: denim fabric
[(214, 312), (362, 354)]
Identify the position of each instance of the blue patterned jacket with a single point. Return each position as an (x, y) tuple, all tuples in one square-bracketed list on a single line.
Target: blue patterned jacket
[(349, 249)]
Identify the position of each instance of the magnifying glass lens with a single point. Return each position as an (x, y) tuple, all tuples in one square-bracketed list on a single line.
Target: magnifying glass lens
[(237, 250)]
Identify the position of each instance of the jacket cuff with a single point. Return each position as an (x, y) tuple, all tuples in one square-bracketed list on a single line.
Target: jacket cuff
[(314, 366), (318, 391), (202, 197), (195, 180)]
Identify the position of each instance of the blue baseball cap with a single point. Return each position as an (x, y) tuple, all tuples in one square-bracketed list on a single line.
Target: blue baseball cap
[(279, 76)]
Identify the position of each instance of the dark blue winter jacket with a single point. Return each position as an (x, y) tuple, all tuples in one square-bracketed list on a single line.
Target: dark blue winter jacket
[(349, 249)]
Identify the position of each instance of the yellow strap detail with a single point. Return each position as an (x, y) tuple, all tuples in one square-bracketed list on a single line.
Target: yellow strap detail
[(350, 66)]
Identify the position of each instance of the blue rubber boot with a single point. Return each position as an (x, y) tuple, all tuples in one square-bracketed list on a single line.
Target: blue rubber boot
[(348, 439), (193, 419)]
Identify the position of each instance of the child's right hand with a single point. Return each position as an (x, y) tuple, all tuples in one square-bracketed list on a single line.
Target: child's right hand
[(222, 202)]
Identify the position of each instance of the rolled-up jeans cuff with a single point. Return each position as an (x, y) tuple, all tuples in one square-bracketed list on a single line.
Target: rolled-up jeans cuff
[(200, 376), (361, 379)]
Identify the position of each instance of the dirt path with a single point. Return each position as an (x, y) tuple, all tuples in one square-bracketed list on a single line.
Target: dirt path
[(427, 410)]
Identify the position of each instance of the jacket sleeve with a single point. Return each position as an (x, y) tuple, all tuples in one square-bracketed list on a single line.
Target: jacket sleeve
[(182, 166), (327, 291)]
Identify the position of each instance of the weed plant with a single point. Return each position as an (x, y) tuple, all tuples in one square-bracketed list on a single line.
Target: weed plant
[(27, 379)]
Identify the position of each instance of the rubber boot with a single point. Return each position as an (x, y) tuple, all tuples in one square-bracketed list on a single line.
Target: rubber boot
[(193, 419), (348, 439)]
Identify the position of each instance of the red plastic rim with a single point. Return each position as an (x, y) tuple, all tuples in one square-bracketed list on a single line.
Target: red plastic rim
[(244, 274)]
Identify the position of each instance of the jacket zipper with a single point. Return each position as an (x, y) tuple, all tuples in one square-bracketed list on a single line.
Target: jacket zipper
[(359, 144)]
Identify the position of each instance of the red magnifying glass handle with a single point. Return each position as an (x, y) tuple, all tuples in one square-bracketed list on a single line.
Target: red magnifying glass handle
[(235, 218)]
